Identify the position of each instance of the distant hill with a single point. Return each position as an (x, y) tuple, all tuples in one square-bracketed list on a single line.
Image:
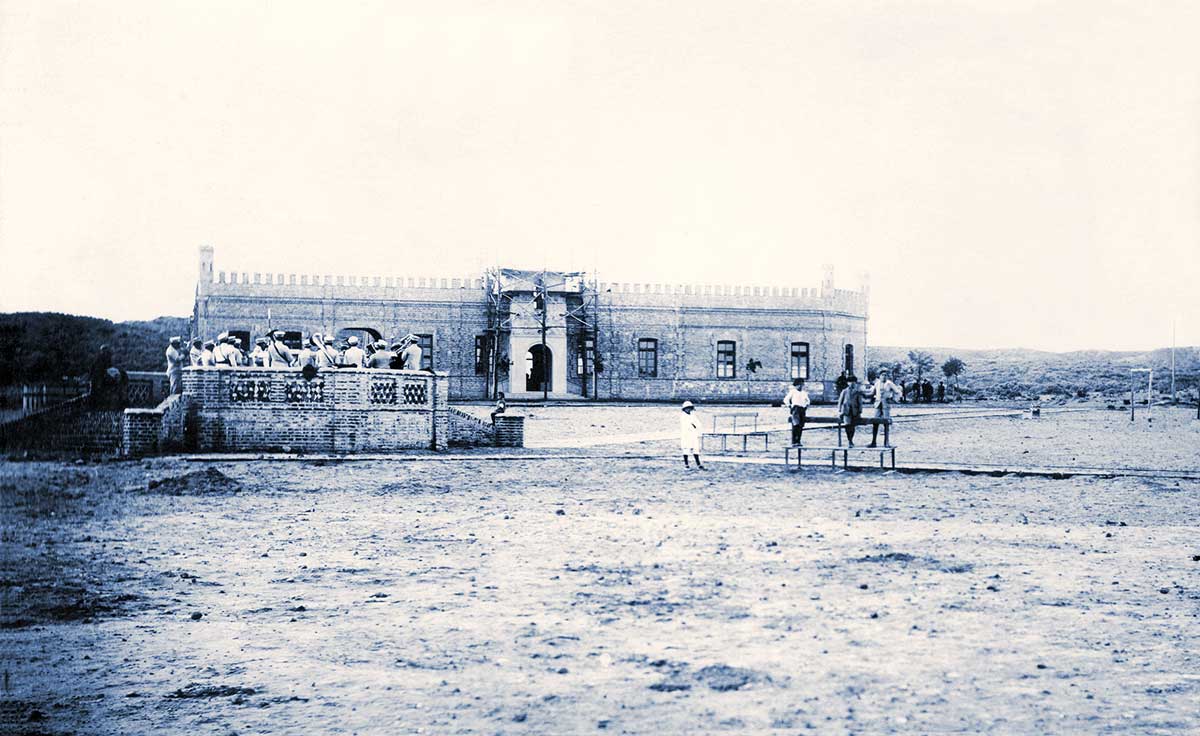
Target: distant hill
[(46, 346), (1020, 373)]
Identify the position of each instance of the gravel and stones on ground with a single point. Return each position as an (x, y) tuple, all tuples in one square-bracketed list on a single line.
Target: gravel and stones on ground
[(1075, 436), (562, 595)]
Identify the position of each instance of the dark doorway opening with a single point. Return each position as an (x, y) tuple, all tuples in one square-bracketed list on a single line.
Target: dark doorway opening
[(539, 363)]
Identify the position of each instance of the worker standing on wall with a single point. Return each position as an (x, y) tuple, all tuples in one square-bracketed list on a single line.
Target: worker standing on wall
[(175, 358)]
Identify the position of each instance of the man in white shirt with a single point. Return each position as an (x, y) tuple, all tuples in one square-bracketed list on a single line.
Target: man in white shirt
[(280, 353), (884, 392), (797, 402), (195, 353), (411, 353), (354, 357)]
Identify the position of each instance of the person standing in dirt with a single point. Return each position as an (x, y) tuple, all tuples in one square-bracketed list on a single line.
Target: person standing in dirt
[(883, 393), (797, 402), (927, 392), (840, 384), (941, 392), (850, 406), (175, 360), (689, 434)]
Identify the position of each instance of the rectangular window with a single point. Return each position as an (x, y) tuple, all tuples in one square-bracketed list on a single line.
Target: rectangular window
[(483, 354), (585, 356), (648, 357), (726, 359), (849, 362), (800, 360), (293, 339), (243, 337), (426, 343)]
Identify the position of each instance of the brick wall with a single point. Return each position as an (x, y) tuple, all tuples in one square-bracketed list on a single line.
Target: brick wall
[(339, 411), (469, 431), (71, 427), (157, 430)]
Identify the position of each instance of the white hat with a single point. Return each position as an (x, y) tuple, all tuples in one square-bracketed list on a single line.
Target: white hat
[(222, 337), (352, 340), (688, 405), (176, 339)]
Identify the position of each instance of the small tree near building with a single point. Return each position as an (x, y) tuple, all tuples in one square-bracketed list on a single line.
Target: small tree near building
[(952, 368)]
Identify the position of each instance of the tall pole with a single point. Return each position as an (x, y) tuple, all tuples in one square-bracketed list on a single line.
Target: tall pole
[(545, 307)]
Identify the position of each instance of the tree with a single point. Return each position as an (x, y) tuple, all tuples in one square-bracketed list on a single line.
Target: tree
[(952, 368), (921, 362)]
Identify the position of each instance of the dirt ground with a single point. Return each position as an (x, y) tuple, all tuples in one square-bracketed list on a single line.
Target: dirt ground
[(593, 595), (1082, 436)]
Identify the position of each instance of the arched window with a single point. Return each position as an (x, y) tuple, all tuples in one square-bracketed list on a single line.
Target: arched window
[(848, 363)]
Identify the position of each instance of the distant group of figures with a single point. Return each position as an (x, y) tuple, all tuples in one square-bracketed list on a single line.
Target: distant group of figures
[(918, 392), (270, 351)]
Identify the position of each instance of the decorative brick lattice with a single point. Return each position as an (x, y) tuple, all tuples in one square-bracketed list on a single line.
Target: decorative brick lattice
[(414, 393), (248, 389), (300, 392), (384, 392)]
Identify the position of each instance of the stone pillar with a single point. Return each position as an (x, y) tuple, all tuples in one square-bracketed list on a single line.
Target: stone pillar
[(510, 431)]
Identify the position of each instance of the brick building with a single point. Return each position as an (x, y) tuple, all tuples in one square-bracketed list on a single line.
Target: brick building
[(562, 335)]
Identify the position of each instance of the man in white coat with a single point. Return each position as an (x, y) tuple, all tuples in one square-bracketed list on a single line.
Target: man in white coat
[(689, 434)]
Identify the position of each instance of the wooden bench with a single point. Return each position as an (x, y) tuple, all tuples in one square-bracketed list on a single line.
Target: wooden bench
[(748, 429), (833, 452), (872, 422)]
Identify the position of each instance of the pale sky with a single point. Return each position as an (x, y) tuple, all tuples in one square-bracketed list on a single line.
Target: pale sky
[(1012, 173)]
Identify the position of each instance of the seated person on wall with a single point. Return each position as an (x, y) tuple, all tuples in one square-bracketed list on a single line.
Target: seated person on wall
[(500, 407)]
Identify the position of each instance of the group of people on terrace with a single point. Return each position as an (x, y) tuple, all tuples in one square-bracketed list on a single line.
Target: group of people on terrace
[(270, 351)]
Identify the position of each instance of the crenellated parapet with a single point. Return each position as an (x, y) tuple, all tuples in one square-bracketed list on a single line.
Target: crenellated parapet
[(729, 296), (330, 286)]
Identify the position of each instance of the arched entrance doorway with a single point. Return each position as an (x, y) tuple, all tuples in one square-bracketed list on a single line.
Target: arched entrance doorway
[(539, 364)]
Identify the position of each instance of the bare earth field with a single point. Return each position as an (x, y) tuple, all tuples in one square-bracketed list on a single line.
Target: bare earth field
[(607, 595)]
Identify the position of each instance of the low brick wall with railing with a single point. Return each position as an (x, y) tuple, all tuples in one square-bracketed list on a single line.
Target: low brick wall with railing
[(337, 411)]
